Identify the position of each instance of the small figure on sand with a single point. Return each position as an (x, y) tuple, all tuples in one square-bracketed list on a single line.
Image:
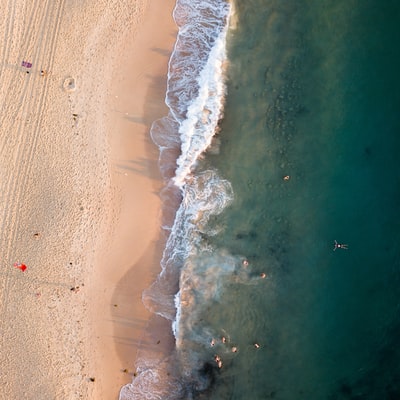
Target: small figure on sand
[(340, 246), (26, 64)]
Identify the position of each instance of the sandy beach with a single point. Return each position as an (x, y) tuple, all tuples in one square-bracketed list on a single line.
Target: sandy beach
[(81, 84)]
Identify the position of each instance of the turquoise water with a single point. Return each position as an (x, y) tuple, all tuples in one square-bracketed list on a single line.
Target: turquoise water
[(305, 153), (313, 93)]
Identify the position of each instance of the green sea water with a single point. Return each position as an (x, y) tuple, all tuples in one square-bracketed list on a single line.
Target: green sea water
[(313, 94)]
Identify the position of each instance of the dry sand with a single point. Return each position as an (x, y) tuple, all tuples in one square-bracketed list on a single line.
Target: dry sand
[(79, 190)]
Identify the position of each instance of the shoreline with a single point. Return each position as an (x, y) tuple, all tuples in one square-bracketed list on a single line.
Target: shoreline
[(80, 203), (128, 261), (137, 248)]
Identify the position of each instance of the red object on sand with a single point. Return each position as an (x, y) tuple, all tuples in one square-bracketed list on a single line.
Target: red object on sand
[(22, 267)]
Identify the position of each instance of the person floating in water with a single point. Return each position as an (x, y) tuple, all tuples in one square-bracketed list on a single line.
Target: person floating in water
[(340, 246)]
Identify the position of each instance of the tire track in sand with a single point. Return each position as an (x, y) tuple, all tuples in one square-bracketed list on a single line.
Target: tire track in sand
[(9, 25), (19, 169), (13, 80)]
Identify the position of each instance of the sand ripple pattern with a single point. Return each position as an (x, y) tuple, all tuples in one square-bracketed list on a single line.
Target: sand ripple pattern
[(49, 198)]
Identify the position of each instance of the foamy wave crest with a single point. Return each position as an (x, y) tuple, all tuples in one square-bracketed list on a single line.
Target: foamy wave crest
[(195, 88), (204, 113), (204, 195), (154, 384), (200, 25), (185, 371), (195, 97)]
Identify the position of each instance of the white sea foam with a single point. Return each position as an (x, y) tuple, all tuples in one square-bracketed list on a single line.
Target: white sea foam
[(205, 195), (200, 24), (204, 113), (195, 88), (195, 97), (154, 384)]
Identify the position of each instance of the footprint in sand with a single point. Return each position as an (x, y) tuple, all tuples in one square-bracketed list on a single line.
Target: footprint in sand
[(69, 84)]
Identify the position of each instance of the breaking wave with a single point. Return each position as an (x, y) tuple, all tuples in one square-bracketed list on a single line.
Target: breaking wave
[(195, 97)]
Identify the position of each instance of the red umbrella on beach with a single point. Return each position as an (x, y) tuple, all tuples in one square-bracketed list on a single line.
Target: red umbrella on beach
[(20, 266)]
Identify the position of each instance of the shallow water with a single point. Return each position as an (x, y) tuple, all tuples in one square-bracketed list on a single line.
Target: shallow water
[(312, 94)]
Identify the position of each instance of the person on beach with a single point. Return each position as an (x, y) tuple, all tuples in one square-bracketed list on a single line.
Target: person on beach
[(340, 246)]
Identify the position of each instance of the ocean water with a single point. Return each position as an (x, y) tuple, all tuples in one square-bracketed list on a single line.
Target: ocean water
[(283, 136)]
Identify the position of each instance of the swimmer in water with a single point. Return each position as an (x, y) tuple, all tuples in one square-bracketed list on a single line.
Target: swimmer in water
[(218, 360), (340, 246)]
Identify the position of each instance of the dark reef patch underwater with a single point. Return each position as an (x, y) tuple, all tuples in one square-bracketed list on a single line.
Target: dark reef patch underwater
[(290, 145)]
